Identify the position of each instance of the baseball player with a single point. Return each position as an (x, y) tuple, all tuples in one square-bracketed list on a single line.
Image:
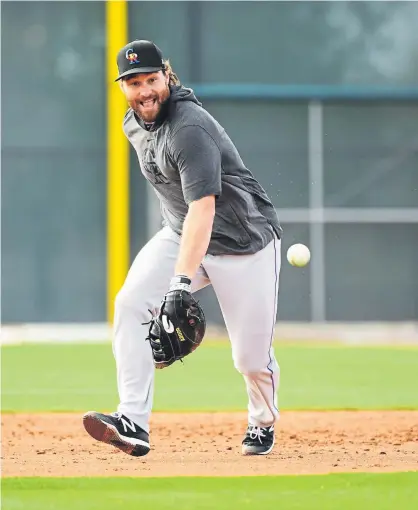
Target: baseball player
[(219, 228)]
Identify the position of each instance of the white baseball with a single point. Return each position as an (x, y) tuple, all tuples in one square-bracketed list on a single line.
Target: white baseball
[(298, 255)]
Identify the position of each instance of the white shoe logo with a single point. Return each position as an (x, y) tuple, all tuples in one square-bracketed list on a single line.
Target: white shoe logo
[(128, 425), (167, 324)]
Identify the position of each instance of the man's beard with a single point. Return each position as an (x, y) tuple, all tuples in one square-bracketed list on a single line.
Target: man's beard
[(148, 115)]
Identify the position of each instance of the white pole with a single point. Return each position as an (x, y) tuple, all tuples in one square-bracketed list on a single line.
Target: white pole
[(316, 208)]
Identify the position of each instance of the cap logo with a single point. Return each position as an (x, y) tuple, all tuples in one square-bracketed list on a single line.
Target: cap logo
[(131, 56)]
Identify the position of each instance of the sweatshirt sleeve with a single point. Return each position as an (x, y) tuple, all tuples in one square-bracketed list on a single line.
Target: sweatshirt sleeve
[(198, 159)]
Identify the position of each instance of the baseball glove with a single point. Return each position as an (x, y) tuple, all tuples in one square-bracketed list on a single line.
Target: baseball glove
[(179, 326)]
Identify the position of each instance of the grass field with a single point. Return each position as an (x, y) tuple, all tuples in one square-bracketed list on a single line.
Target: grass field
[(71, 377), (342, 492)]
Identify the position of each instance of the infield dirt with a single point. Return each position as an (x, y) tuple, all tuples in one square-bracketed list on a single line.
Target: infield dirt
[(209, 444)]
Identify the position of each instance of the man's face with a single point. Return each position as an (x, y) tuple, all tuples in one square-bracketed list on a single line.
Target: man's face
[(145, 93)]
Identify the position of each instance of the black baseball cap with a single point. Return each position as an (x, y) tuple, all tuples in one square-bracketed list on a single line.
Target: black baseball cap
[(139, 57)]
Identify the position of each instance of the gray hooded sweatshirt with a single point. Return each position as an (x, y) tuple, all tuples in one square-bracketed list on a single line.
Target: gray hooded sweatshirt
[(187, 155)]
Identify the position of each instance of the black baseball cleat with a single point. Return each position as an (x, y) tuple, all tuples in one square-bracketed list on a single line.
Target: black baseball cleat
[(119, 431), (258, 440)]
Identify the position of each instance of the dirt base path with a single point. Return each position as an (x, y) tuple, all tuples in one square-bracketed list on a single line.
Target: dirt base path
[(209, 444)]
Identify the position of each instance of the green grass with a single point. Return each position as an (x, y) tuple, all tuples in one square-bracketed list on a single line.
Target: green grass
[(336, 491), (79, 377)]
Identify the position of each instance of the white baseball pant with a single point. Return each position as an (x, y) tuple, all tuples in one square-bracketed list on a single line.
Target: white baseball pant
[(246, 287)]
